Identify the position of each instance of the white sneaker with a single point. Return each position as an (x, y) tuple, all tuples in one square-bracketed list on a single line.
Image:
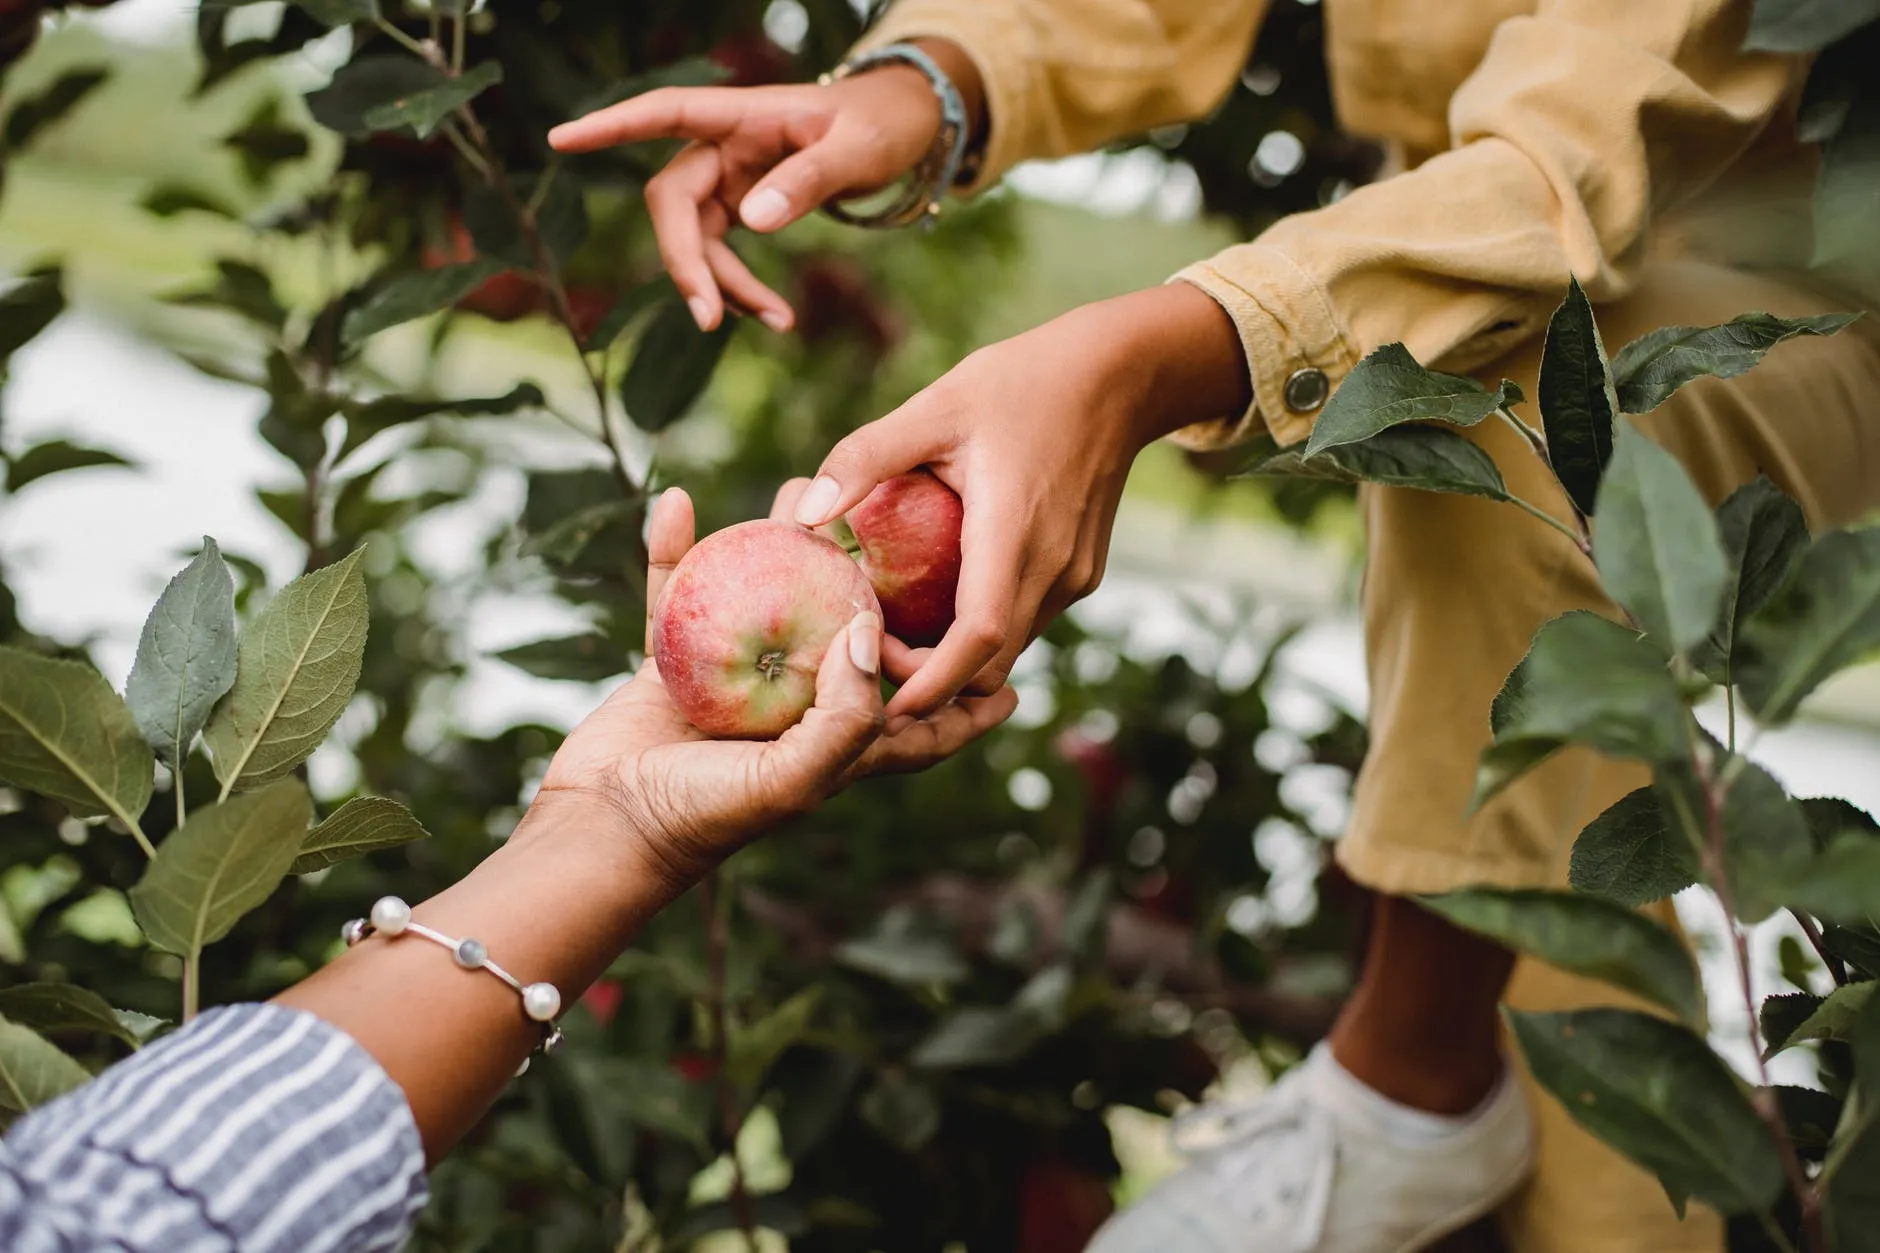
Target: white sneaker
[(1321, 1163)]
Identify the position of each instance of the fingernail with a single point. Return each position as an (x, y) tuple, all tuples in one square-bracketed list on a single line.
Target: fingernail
[(765, 209), (776, 319), (865, 643), (899, 723), (701, 311), (819, 501)]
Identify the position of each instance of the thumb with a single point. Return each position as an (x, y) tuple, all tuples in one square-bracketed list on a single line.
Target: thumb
[(803, 764), (888, 446), (799, 183)]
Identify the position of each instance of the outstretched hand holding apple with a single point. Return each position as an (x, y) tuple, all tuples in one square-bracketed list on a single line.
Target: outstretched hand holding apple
[(693, 800)]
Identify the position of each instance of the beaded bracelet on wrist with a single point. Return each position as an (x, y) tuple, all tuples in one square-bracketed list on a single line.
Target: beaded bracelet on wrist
[(939, 170)]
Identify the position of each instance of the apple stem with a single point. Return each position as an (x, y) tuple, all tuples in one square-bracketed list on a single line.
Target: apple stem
[(771, 664)]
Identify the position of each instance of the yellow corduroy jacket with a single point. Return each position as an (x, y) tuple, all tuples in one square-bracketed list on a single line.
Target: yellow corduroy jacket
[(1532, 140)]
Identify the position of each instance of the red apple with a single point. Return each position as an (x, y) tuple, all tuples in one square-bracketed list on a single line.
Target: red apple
[(743, 624), (909, 532)]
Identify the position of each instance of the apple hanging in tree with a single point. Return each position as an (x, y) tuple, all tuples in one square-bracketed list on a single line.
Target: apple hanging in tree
[(742, 625), (908, 530)]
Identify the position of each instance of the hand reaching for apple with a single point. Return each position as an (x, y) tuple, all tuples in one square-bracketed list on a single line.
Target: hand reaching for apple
[(693, 800)]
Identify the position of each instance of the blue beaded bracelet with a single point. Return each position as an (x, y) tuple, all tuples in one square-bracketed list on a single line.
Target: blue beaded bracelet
[(928, 182)]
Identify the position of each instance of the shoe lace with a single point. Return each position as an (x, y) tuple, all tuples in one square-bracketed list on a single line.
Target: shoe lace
[(1275, 1155)]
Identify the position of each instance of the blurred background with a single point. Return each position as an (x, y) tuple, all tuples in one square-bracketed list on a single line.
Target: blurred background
[(950, 1011)]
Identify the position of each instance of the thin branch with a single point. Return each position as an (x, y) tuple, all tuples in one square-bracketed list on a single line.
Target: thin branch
[(1813, 932), (468, 153), (176, 785), (716, 906), (1538, 443), (192, 984), (457, 39), (1580, 541), (414, 46)]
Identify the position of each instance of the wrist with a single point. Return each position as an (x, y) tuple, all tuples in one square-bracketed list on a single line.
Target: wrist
[(1176, 359), (600, 847)]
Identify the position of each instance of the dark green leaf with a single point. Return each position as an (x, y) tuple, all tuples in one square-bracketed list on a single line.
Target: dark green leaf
[(1425, 458), (224, 861), (1578, 407), (903, 1109), (1631, 855), (33, 1071), (425, 109), (774, 1211), (65, 734), (904, 949), (1780, 1015), (1584, 935), (1389, 388), (754, 1046), (340, 12), (1832, 1019), (264, 146), (1656, 543), (1850, 1178), (1830, 817), (650, 1094), (1826, 616), (1765, 841), (1086, 918), (368, 83), (1805, 25), (1655, 365), (1810, 1116), (1858, 946), (699, 71), (171, 199), (1840, 884), (34, 113), (815, 1087), (977, 1035), (185, 656), (585, 658), (362, 825), (1847, 189), (28, 308), (565, 542), (625, 310), (1655, 1092), (671, 366), (1762, 531), (366, 418), (56, 456), (561, 215), (1585, 680), (416, 295), (299, 662), (239, 288), (54, 1008)]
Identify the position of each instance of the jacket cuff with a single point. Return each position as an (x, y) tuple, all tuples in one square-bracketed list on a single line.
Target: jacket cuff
[(999, 48), (1296, 352)]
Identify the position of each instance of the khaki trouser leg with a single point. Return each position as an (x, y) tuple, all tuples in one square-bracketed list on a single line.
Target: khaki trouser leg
[(1454, 590)]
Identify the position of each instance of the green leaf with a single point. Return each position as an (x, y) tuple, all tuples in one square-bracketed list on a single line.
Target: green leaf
[(1810, 1116), (648, 1094), (32, 1070), (1425, 458), (1631, 855), (816, 1086), (1655, 1092), (424, 110), (1656, 544), (565, 541), (65, 734), (1839, 884), (1762, 531), (585, 658), (1779, 1016), (1766, 843), (1858, 946), (1847, 188), (170, 199), (906, 949), (56, 456), (1830, 817), (362, 825), (1086, 929), (753, 1047), (977, 1035), (224, 861), (1389, 388), (239, 288), (1832, 1019), (671, 366), (904, 1109), (27, 308), (1850, 1178), (416, 296), (299, 662), (626, 310), (185, 656), (1578, 407), (34, 113), (1583, 935), (1826, 616), (340, 12), (55, 1008), (1585, 680), (367, 83), (1650, 368), (366, 418), (1805, 25)]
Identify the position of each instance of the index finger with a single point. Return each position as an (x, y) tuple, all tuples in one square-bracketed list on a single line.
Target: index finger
[(668, 538), (708, 113), (990, 565)]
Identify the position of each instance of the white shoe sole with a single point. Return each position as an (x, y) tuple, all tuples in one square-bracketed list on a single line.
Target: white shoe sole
[(1452, 1223)]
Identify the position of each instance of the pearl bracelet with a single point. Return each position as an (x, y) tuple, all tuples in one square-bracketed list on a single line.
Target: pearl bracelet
[(391, 917)]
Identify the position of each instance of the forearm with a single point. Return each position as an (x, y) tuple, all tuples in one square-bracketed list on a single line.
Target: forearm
[(556, 904)]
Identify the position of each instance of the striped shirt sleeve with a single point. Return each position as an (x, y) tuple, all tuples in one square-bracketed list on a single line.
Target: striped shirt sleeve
[(256, 1129)]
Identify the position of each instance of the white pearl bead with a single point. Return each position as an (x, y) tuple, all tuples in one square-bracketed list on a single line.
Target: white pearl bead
[(471, 954), (541, 1001), (390, 915)]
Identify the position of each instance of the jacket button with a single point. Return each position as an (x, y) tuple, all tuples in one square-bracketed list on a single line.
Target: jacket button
[(1306, 390)]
